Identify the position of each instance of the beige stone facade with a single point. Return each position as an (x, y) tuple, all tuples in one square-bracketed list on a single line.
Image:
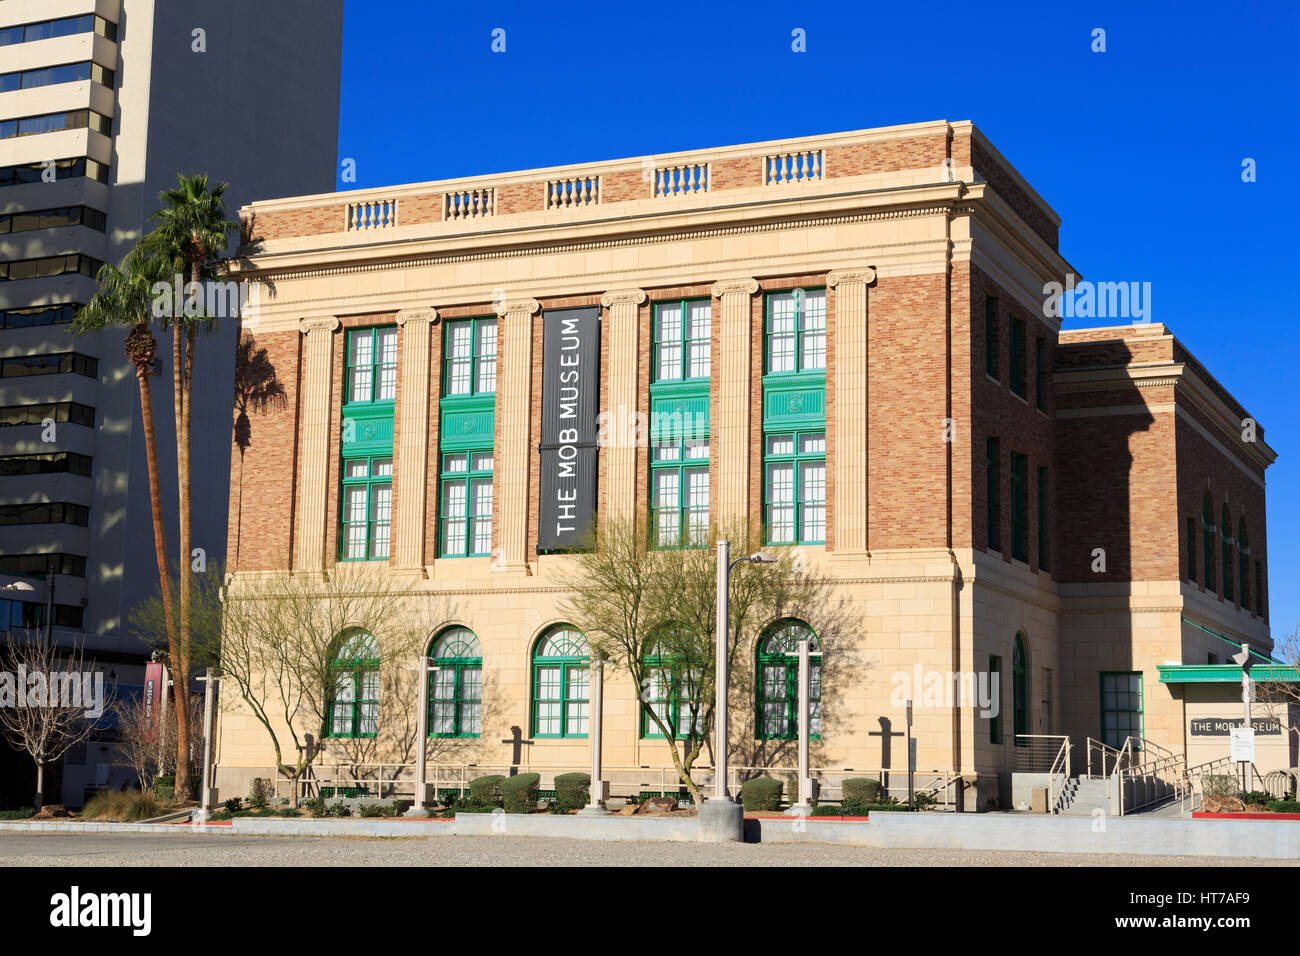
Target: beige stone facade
[(920, 236)]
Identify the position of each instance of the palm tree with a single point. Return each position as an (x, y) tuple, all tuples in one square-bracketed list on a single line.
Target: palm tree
[(190, 231), (125, 298)]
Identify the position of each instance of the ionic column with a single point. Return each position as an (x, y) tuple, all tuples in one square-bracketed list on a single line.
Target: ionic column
[(514, 415), (620, 461), (850, 506), (313, 473), (413, 447), (729, 445)]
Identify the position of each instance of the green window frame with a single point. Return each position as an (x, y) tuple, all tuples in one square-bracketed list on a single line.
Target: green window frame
[(993, 492), (776, 691), (1225, 525), (1044, 538), (469, 357), (995, 681), (371, 374), (1243, 564), (794, 487), (455, 699), (354, 686), (683, 339), (991, 336), (679, 493), (1019, 506), (1191, 549), (366, 508), (465, 503), (795, 332), (672, 691), (1040, 373), (1207, 543), (561, 684), (1019, 692), (1017, 367), (1121, 707)]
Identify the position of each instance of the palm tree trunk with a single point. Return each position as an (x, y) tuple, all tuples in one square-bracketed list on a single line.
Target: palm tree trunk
[(155, 501), (183, 373)]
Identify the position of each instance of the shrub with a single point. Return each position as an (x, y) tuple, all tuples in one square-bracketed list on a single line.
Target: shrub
[(1218, 785), (1256, 796), (338, 809), (573, 790), (220, 815), (371, 810), (315, 806), (826, 810), (519, 793), (923, 801), (486, 791), (1284, 806), (22, 814), (863, 790), (233, 804), (120, 806), (761, 793), (259, 793), (398, 808)]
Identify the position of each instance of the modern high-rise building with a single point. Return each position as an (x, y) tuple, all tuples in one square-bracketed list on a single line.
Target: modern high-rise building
[(102, 104), (848, 343)]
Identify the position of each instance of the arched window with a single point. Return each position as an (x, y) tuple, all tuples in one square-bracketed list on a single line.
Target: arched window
[(1225, 528), (354, 696), (1243, 564), (777, 693), (1207, 542), (1019, 692), (672, 689), (561, 683), (456, 684)]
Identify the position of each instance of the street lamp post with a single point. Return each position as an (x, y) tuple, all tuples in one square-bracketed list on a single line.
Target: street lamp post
[(422, 732), (721, 819)]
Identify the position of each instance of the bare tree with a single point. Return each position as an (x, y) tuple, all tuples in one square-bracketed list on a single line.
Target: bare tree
[(48, 699), (1280, 699), (653, 612), (148, 743), (295, 646)]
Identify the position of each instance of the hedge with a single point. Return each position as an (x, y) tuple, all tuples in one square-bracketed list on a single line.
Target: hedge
[(573, 790), (486, 790), (761, 793), (520, 792), (863, 790)]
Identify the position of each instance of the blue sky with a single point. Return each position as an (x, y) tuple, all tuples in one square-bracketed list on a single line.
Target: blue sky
[(1139, 149)]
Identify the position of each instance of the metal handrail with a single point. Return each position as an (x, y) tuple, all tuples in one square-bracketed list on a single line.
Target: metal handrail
[(1058, 746), (1104, 751), (1165, 763)]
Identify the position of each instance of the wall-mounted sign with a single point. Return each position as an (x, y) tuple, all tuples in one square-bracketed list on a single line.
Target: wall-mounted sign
[(1224, 726), (570, 403)]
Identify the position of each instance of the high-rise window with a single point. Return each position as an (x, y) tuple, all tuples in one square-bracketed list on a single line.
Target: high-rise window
[(995, 712), (61, 27), (1225, 527), (466, 503), (991, 336), (1207, 543), (1191, 550), (1040, 373), (1044, 544), (367, 508), (1243, 564), (794, 488)]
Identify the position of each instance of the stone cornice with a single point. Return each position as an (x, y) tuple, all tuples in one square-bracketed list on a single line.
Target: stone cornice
[(734, 287), (622, 297), (416, 315), (321, 323), (524, 307), (866, 275)]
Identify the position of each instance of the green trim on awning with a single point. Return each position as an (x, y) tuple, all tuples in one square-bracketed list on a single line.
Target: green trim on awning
[(1228, 640), (1225, 673)]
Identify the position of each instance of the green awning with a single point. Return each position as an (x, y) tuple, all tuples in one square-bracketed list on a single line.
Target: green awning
[(1224, 673)]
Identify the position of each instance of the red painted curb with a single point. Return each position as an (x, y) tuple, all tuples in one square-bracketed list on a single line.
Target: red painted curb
[(1202, 815)]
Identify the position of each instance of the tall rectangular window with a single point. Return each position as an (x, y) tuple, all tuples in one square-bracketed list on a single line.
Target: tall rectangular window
[(1191, 550), (794, 488), (1017, 368), (991, 336), (1040, 373), (995, 715), (1019, 506), (682, 340), (796, 331), (1259, 588), (367, 508), (372, 365), (1044, 544), (679, 493), (993, 493), (1207, 543), (1121, 706), (470, 357), (466, 500)]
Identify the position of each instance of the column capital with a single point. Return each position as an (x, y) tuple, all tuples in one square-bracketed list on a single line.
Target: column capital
[(517, 307), (319, 323), (867, 275), (734, 286), (429, 315), (623, 297)]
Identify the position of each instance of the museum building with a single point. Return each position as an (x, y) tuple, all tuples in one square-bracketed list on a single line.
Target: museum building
[(841, 340)]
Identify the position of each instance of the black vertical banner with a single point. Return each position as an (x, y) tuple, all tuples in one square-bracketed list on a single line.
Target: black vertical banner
[(570, 404)]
